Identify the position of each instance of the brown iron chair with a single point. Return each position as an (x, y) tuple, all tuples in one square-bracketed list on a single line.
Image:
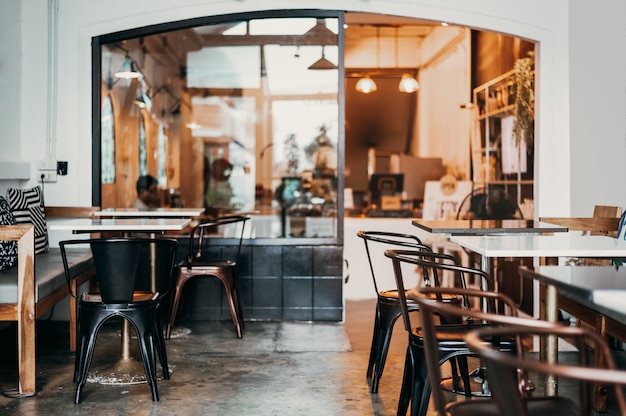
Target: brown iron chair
[(415, 387), (205, 260), (440, 341), (387, 305), (503, 368)]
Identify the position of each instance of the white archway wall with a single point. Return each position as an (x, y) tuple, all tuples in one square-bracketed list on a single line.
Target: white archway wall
[(546, 22)]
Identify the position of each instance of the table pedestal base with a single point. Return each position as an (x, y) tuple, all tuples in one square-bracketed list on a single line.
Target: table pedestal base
[(477, 388), (126, 371)]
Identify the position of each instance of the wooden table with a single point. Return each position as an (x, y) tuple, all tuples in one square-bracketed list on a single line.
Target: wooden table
[(571, 244), (598, 291), (126, 369), (588, 224), (150, 213), (487, 227)]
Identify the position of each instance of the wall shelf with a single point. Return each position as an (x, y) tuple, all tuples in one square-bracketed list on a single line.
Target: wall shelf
[(495, 158)]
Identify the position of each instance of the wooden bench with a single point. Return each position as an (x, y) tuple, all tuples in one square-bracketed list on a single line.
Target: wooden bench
[(35, 287)]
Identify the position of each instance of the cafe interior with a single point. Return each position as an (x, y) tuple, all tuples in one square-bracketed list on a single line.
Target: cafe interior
[(342, 164)]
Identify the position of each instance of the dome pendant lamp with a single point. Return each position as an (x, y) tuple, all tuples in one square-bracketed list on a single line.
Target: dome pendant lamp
[(366, 85)]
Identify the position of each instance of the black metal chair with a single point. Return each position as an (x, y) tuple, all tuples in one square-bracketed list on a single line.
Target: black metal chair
[(488, 203), (504, 367), (133, 275), (387, 305), (450, 335), (205, 260)]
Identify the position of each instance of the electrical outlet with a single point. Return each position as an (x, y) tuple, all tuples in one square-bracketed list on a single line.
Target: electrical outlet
[(48, 176)]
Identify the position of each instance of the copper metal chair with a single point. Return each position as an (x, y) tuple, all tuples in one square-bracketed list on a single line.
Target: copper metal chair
[(440, 341), (387, 305), (133, 275), (206, 260), (450, 342), (503, 368)]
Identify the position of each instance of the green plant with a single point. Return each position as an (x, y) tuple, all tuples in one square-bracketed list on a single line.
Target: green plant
[(524, 92)]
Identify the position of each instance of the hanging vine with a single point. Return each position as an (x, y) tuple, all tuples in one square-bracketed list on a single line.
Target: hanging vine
[(524, 92)]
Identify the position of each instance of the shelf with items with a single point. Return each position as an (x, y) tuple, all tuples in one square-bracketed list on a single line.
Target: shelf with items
[(496, 157)]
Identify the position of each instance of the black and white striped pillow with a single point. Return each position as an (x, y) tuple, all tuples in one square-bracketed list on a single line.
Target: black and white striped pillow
[(27, 206), (8, 249)]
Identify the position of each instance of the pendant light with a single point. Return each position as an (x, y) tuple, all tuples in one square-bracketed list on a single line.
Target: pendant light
[(322, 63), (366, 85), (407, 84), (128, 71)]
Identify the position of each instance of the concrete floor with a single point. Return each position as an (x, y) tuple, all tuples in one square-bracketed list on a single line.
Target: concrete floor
[(278, 368)]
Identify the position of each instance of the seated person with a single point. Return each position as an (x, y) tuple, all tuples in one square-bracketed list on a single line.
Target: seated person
[(147, 193), (492, 207)]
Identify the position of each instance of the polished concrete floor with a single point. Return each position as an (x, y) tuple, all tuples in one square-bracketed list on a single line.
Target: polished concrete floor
[(278, 368)]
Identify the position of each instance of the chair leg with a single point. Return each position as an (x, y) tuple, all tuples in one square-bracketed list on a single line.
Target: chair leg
[(375, 347), (145, 338), (181, 279), (387, 318), (160, 345), (85, 363), (407, 385), (232, 294)]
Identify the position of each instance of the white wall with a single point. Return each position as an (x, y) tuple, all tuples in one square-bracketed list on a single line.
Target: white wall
[(567, 119)]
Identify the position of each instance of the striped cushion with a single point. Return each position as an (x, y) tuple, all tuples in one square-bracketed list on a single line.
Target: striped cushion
[(27, 206), (8, 249)]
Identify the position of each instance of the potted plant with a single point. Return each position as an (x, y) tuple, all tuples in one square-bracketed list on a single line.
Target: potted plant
[(524, 93)]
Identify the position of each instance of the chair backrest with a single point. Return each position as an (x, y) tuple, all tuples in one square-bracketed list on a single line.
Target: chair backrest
[(432, 265), (489, 203), (385, 240), (124, 265), (199, 241), (432, 310), (503, 365)]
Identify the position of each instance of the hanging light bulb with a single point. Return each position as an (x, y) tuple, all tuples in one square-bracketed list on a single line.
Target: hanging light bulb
[(408, 84), (128, 71), (366, 85)]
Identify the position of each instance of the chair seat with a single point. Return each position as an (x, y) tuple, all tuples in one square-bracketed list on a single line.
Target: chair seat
[(137, 297), (393, 294), (200, 264)]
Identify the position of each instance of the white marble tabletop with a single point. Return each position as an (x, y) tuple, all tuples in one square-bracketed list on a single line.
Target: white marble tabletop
[(149, 213), (570, 244), (146, 225)]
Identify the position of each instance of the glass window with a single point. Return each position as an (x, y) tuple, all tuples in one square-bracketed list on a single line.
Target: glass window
[(239, 120), (107, 134)]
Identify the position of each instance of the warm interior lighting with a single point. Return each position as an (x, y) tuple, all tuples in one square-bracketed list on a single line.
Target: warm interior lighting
[(408, 84), (128, 71), (323, 63), (366, 85)]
